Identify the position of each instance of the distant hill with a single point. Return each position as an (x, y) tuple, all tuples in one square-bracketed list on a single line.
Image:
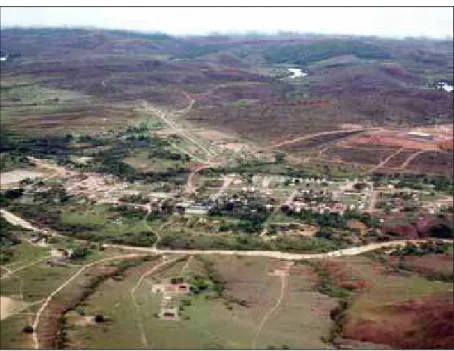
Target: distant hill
[(239, 82)]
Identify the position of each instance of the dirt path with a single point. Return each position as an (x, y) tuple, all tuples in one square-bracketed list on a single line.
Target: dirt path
[(143, 337), (15, 220), (187, 109), (373, 200), (353, 251), (190, 186), (49, 298), (268, 220), (212, 154), (227, 181), (177, 129), (158, 235), (310, 136), (412, 157), (11, 272), (381, 164), (284, 282), (186, 266), (190, 154), (6, 269)]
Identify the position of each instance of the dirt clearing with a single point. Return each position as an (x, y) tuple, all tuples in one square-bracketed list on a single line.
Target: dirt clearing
[(10, 306), (16, 176)]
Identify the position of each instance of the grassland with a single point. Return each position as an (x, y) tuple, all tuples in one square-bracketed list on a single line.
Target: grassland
[(102, 94), (208, 322), (254, 309)]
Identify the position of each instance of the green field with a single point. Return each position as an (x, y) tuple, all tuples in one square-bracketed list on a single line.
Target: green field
[(208, 322)]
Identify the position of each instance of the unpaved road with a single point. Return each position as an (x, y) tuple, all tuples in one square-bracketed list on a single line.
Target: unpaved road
[(413, 156), (381, 164), (66, 283), (15, 220), (176, 128), (311, 136), (225, 185), (353, 251), (284, 283), (190, 186), (11, 272), (143, 337)]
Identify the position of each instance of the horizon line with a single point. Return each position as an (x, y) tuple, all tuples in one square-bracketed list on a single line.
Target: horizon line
[(231, 33)]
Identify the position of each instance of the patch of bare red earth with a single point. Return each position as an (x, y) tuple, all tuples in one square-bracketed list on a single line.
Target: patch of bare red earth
[(412, 324), (343, 276), (431, 265), (51, 319)]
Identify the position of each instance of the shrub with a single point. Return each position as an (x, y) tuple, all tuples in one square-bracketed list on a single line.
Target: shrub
[(99, 318), (28, 329)]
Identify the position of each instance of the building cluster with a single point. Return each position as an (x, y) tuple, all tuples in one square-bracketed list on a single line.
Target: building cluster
[(172, 294), (93, 186), (398, 201)]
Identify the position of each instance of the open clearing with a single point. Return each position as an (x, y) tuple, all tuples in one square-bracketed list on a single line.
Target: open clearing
[(10, 306), (16, 176), (209, 322)]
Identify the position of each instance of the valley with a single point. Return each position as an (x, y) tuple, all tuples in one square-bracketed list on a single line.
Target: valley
[(282, 192)]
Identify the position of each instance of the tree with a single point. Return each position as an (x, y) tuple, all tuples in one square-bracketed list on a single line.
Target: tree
[(80, 252), (28, 329), (279, 157), (323, 234), (99, 318)]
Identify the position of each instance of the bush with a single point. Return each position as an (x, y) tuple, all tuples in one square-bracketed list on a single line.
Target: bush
[(176, 280), (28, 329), (80, 252), (99, 318), (323, 234)]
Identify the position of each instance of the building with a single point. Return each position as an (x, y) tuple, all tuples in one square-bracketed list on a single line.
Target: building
[(420, 135), (191, 208)]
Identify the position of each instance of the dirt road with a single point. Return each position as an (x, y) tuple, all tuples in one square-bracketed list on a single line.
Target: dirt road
[(284, 282), (385, 161), (353, 251), (311, 136), (143, 337), (65, 284), (227, 181), (11, 272), (413, 156), (190, 186), (177, 129)]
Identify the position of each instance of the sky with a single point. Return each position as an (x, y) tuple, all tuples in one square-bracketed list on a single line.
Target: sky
[(387, 22)]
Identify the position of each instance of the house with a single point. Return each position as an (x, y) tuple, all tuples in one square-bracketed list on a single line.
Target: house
[(197, 210), (420, 135), (60, 253)]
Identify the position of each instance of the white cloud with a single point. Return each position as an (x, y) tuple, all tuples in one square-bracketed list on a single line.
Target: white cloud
[(399, 22)]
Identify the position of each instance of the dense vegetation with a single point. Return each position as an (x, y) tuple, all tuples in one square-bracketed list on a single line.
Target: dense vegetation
[(333, 220), (411, 249), (7, 240), (305, 54)]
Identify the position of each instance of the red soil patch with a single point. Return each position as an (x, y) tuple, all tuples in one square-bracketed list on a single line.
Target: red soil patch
[(446, 145), (343, 276), (413, 324), (305, 271), (396, 139), (431, 265), (401, 231)]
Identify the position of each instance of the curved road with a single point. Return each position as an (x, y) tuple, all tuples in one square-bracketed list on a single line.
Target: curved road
[(15, 220)]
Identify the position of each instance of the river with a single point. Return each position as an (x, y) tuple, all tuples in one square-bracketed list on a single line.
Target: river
[(297, 72)]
